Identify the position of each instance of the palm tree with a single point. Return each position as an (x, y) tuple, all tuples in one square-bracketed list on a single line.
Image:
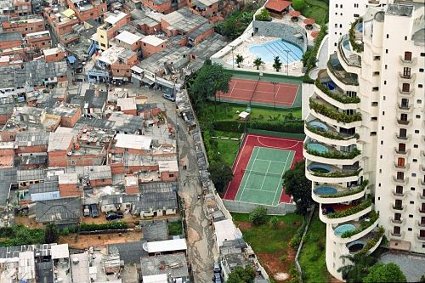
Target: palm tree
[(239, 60), (258, 62), (357, 268), (277, 65)]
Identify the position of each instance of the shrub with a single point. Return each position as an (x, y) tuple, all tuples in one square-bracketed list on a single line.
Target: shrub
[(258, 216), (373, 215), (352, 36), (298, 4), (264, 15), (334, 154), (333, 113), (104, 226), (274, 222), (295, 126), (338, 97)]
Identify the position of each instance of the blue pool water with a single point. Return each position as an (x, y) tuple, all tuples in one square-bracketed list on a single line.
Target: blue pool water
[(356, 246), (319, 125), (317, 147), (325, 190), (318, 167), (344, 228), (267, 51)]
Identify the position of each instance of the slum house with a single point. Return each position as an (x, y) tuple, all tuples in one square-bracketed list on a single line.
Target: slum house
[(157, 199), (62, 212), (164, 268), (155, 230)]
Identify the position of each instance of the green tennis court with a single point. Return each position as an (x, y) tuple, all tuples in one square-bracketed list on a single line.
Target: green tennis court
[(262, 179)]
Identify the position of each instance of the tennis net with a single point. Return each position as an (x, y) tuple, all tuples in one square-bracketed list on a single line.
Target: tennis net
[(252, 172)]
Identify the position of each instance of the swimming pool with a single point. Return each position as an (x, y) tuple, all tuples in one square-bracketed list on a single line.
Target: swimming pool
[(317, 147), (267, 51), (355, 246), (319, 125), (320, 168), (325, 190), (341, 229)]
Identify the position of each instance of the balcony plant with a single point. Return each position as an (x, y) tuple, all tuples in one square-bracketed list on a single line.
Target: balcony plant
[(333, 113), (337, 96), (336, 174), (358, 47), (352, 210), (373, 241)]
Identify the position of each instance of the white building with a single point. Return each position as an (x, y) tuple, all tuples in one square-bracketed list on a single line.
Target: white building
[(365, 144)]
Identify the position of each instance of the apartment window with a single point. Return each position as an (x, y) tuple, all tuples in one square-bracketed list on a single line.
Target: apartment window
[(401, 162), (415, 146), (405, 103), (416, 131), (420, 85), (422, 54), (375, 88), (374, 118), (376, 58), (418, 116), (409, 229), (356, 15), (412, 189), (398, 204), (386, 51), (374, 103), (400, 175), (414, 161), (421, 70), (405, 87), (372, 134), (388, 36), (407, 72), (403, 133), (405, 38), (408, 56), (402, 147), (396, 230), (336, 5), (403, 117), (376, 73), (397, 216)]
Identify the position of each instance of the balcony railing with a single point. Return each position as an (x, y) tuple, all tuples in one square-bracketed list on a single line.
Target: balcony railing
[(403, 92), (373, 241), (421, 211), (410, 77), (330, 134), (401, 167), (333, 113), (347, 192), (373, 216), (354, 36), (421, 224), (400, 181), (421, 196), (402, 137), (398, 208), (400, 151), (403, 122), (335, 67), (397, 221), (421, 238)]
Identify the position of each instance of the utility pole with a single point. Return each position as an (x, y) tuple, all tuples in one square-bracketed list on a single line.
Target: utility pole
[(287, 61)]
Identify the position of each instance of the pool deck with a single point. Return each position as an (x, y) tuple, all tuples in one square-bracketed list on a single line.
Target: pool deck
[(294, 68)]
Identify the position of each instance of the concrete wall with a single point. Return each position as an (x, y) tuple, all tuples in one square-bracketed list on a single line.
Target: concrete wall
[(244, 207)]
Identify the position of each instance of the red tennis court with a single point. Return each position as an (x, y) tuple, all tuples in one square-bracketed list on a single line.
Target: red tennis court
[(242, 160), (260, 92)]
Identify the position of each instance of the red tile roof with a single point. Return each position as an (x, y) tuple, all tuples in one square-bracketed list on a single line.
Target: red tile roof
[(309, 21), (294, 13), (277, 5)]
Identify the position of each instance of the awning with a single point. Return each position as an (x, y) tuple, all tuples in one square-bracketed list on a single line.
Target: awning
[(68, 13)]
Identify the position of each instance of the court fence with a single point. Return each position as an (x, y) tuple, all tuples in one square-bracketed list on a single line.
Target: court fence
[(245, 207), (297, 136)]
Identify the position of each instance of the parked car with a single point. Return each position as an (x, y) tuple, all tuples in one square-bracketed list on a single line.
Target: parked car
[(169, 97), (217, 267), (114, 215), (94, 210), (86, 211)]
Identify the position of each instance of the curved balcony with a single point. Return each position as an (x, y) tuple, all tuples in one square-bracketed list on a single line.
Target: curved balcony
[(404, 109), (355, 35), (355, 230), (421, 196), (325, 173), (339, 213), (329, 193), (421, 224), (398, 209), (331, 93), (408, 94), (338, 74), (330, 115), (397, 236), (400, 138), (403, 181), (397, 221), (401, 152), (323, 153), (402, 168), (322, 132), (397, 195), (408, 63), (421, 238), (349, 59), (421, 211), (368, 243), (405, 78), (403, 122)]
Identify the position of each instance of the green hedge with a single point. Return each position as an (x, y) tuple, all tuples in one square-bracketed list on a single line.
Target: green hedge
[(352, 36), (373, 216), (336, 174), (333, 113), (338, 97), (350, 211), (238, 126), (310, 56), (103, 226)]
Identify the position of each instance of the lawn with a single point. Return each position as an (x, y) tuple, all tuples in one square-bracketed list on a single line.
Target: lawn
[(267, 239), (228, 149), (317, 10), (175, 228), (228, 111), (312, 257)]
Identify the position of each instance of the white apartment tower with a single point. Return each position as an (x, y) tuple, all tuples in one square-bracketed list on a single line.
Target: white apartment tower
[(365, 144)]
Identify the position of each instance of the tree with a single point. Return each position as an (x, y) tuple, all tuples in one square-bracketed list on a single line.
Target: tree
[(258, 62), (239, 60), (297, 185), (357, 267), (209, 80), (298, 4), (51, 234), (221, 174), (277, 65), (242, 275), (264, 15), (258, 216), (389, 272)]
